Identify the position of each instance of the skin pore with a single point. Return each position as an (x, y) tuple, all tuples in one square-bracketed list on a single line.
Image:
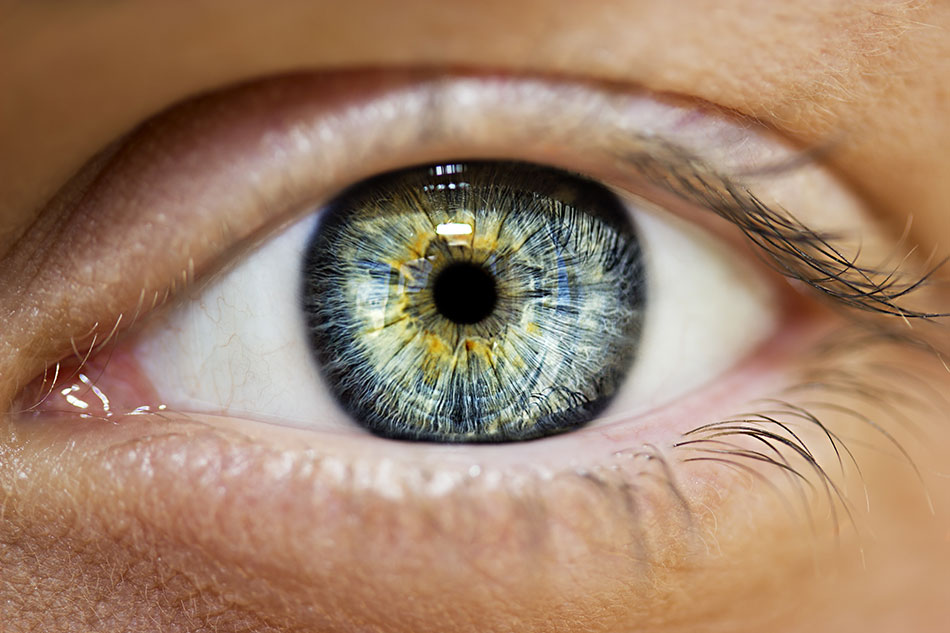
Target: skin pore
[(197, 528)]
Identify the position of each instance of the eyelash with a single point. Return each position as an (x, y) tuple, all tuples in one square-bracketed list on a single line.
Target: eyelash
[(781, 448), (799, 253), (795, 250), (802, 254)]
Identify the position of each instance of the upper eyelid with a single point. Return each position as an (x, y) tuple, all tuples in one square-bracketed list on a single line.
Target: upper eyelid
[(291, 123)]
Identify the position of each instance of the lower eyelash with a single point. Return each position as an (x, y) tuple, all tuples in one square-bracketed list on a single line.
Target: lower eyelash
[(777, 449), (827, 402)]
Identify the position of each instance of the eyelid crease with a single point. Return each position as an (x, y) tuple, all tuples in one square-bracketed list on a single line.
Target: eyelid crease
[(256, 151)]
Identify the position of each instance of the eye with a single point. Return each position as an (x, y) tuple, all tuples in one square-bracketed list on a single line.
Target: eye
[(466, 301), (598, 302)]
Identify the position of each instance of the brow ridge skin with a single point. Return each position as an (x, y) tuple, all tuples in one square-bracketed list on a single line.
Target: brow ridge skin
[(842, 55)]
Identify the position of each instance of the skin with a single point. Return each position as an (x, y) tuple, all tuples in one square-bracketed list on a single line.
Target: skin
[(107, 529)]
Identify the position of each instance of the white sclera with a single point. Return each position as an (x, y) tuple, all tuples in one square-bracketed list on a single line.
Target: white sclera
[(239, 346), (707, 309)]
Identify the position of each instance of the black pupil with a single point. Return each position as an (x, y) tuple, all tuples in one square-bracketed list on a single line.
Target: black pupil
[(464, 293)]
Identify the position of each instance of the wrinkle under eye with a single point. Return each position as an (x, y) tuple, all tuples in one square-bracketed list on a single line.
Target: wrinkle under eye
[(474, 302)]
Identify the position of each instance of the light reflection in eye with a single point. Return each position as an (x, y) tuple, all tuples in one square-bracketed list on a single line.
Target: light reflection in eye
[(453, 228), (69, 393)]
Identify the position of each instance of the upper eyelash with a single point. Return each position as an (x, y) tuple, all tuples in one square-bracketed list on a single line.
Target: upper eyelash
[(797, 251)]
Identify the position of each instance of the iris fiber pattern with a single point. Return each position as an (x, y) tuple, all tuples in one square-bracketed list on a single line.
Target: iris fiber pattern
[(475, 301)]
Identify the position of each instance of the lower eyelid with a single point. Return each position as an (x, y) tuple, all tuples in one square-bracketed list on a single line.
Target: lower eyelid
[(398, 517)]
